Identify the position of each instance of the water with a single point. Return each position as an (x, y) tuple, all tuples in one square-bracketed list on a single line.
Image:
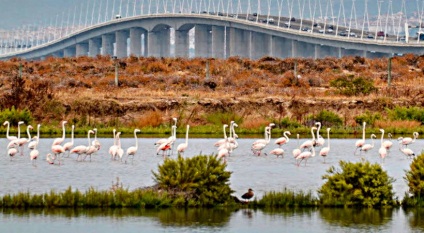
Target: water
[(262, 174)]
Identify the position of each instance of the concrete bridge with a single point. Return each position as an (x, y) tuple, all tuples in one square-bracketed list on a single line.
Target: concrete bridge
[(215, 35)]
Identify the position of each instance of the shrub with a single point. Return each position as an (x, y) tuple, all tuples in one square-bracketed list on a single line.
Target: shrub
[(353, 86), (415, 178), (357, 184), (368, 117), (287, 198), (14, 116), (287, 123), (219, 118), (201, 180), (327, 118), (406, 113)]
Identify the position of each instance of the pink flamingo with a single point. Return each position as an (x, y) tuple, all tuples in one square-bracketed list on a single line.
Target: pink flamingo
[(258, 147), (90, 148), (408, 152), (320, 140), (305, 156), (96, 142), (309, 143), (22, 141), (296, 152), (35, 140), (406, 141), (50, 158), (119, 150), (361, 142), (113, 149), (388, 143), (382, 151), (132, 150), (68, 146), (324, 151), (81, 149), (163, 140), (278, 152), (15, 142), (223, 153), (10, 138), (33, 155), (181, 148), (59, 141), (368, 147), (12, 152), (283, 140), (57, 150), (267, 135)]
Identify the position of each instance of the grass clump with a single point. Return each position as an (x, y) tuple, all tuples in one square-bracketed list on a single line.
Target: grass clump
[(287, 198), (415, 179), (359, 184), (199, 181)]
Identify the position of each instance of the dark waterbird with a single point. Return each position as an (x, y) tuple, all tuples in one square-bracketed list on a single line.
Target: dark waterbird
[(248, 195)]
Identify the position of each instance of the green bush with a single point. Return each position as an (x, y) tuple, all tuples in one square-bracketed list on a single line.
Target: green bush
[(406, 113), (219, 118), (415, 179), (357, 184), (368, 117), (287, 123), (201, 180), (327, 118), (14, 116), (351, 85), (287, 198)]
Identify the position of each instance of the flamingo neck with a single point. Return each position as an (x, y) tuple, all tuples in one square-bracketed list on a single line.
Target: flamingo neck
[(363, 132), (72, 135), (313, 135), (63, 131), (7, 130), (187, 135), (114, 137), (19, 131), (136, 140), (225, 133), (328, 138), (287, 137), (29, 135), (88, 137), (319, 127), (38, 133)]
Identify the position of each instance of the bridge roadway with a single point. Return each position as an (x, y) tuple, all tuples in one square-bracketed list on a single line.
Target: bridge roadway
[(215, 36)]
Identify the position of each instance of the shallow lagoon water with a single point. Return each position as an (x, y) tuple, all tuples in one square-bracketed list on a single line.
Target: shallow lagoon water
[(263, 173)]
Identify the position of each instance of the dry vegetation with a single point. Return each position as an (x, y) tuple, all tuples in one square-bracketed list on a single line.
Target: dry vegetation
[(152, 90)]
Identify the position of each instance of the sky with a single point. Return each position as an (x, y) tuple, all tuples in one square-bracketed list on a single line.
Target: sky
[(17, 13)]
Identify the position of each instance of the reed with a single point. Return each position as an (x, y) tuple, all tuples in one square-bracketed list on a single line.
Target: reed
[(287, 198)]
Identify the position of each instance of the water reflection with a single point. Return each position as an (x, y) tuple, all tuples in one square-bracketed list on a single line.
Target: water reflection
[(351, 216), (415, 218)]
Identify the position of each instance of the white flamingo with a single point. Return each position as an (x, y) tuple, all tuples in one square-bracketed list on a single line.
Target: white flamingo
[(68, 146), (59, 141), (33, 155), (15, 142), (277, 152), (296, 152), (361, 142), (181, 148), (163, 140), (283, 140), (309, 143), (81, 149), (388, 143), (96, 142), (367, 147), (114, 148), (35, 140), (119, 150), (223, 153), (324, 151), (10, 138), (382, 151), (267, 135), (91, 149), (319, 140), (407, 141), (132, 150), (22, 141), (305, 156)]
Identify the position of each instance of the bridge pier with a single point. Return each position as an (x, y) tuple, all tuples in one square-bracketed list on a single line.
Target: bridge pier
[(202, 41), (145, 37), (121, 44), (182, 43), (81, 49), (218, 42), (69, 52), (135, 41), (261, 45), (240, 43), (107, 44), (94, 47)]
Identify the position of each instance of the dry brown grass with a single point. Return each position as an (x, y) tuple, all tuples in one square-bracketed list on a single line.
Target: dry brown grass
[(397, 124)]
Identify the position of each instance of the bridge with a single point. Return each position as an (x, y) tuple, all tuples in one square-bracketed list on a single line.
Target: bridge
[(218, 32)]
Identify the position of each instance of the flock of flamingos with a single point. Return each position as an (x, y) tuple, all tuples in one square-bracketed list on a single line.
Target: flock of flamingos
[(224, 146)]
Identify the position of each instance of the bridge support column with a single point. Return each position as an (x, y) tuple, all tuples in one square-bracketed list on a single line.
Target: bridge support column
[(107, 44), (218, 42), (153, 48), (182, 43), (324, 51), (201, 41), (239, 42), (81, 49), (304, 49), (261, 45), (165, 42), (94, 47), (121, 44), (69, 52), (135, 41), (227, 42), (145, 37)]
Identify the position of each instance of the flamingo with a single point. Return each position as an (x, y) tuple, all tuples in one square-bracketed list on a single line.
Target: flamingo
[(324, 151), (320, 140), (296, 152), (163, 140), (33, 155), (183, 146), (382, 151), (258, 147), (22, 141), (119, 150), (59, 141), (132, 150), (367, 147), (388, 143), (309, 143), (15, 142), (90, 148), (406, 141), (68, 146), (283, 140), (50, 158), (223, 153), (361, 142), (267, 135), (57, 150), (232, 138), (305, 156), (408, 152), (12, 152), (278, 152), (96, 142), (167, 145), (35, 140), (81, 149), (10, 138), (113, 149)]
